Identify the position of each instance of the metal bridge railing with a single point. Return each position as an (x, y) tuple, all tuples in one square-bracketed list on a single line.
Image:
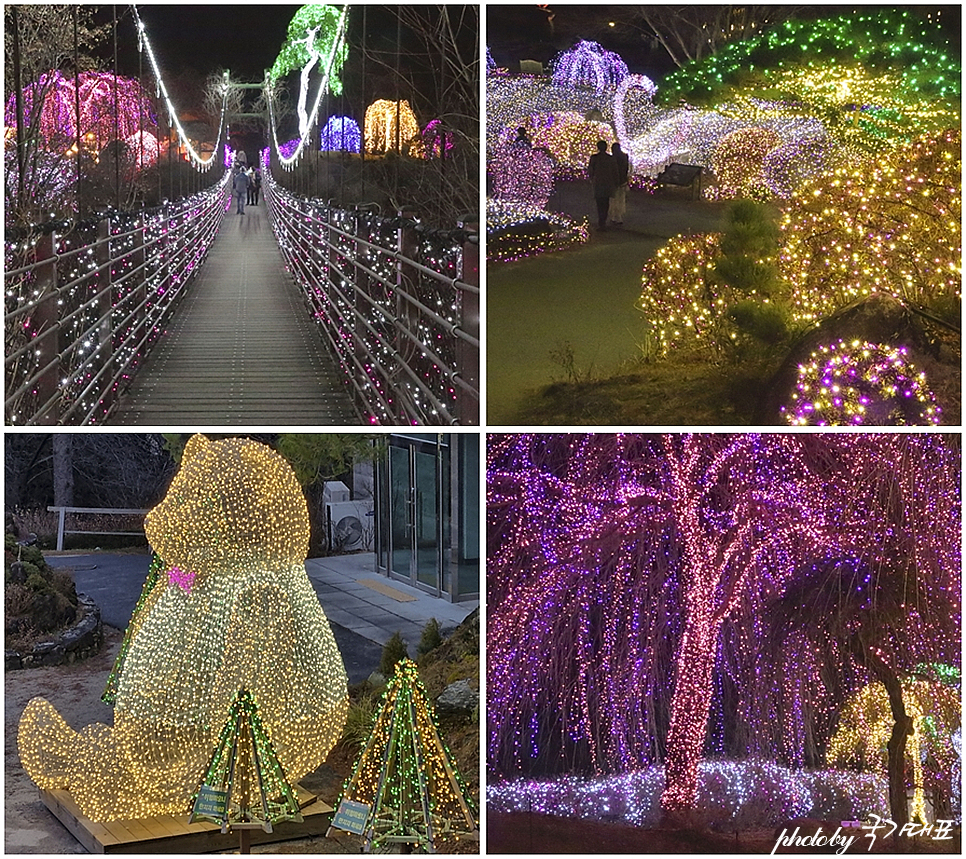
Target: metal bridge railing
[(398, 306), (83, 308)]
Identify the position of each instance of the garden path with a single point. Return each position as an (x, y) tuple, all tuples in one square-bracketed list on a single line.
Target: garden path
[(583, 296)]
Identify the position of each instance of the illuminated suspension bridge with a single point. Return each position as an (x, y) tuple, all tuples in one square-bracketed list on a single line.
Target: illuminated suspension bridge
[(295, 313)]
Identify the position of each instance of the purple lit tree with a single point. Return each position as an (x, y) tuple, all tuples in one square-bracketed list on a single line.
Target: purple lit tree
[(632, 581), (587, 64), (341, 134)]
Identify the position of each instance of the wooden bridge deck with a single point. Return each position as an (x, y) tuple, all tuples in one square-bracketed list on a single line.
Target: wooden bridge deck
[(240, 347)]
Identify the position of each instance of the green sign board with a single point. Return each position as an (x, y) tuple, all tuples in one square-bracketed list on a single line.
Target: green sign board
[(211, 803), (351, 817)]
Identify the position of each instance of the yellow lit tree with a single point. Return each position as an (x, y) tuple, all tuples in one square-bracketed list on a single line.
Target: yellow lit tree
[(893, 228), (232, 609), (866, 723), (391, 126)]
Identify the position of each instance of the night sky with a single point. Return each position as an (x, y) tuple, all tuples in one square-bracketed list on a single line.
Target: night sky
[(243, 38)]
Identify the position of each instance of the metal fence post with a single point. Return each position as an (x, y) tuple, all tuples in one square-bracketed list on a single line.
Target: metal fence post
[(141, 290), (46, 316), (102, 307), (468, 355), (359, 307), (407, 244)]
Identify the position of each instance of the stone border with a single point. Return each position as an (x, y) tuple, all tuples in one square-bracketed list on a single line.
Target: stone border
[(81, 641)]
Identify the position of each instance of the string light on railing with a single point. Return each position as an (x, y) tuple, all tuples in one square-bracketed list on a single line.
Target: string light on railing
[(407, 375), (80, 298), (199, 163)]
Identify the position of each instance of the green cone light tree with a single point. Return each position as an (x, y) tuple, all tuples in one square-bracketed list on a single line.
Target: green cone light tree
[(405, 785), (245, 786)]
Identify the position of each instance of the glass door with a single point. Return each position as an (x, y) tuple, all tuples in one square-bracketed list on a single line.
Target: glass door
[(414, 516), (400, 513), (426, 510)]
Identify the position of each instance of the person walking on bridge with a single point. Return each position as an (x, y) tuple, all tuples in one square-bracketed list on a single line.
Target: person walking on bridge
[(240, 188)]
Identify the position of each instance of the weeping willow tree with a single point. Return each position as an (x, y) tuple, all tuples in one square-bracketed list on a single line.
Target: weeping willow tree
[(633, 584)]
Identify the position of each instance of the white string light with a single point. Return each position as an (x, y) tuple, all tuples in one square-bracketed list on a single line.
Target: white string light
[(200, 163), (323, 86)]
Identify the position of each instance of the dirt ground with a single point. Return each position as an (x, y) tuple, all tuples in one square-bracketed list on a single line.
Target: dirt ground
[(75, 691)]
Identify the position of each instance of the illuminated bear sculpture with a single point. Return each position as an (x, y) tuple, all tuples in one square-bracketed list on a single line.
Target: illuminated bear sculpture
[(232, 608)]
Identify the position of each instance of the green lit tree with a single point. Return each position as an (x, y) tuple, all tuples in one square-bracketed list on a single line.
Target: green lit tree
[(315, 34), (245, 786), (405, 783), (148, 593)]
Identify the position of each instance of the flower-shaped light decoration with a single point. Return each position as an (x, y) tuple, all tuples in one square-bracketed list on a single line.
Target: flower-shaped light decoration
[(861, 383), (341, 134), (588, 65)]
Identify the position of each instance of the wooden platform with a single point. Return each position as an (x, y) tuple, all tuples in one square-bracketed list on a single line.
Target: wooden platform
[(241, 347), (175, 834)]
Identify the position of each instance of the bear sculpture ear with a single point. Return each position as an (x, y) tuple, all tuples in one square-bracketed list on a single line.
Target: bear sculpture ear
[(195, 445)]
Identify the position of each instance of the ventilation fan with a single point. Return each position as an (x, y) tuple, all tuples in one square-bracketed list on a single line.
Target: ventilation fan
[(350, 525)]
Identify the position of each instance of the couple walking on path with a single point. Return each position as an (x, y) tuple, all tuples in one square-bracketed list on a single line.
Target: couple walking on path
[(609, 175)]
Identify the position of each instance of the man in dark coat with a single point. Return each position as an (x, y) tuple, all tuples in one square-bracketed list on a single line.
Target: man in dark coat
[(604, 176), (239, 186)]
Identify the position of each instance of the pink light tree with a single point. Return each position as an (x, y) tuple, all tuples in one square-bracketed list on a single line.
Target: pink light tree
[(745, 513), (56, 113), (629, 574)]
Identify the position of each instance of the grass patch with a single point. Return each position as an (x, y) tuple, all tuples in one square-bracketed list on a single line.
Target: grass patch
[(685, 391)]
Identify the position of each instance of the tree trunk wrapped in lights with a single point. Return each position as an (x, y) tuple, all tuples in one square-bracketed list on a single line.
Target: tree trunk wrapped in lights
[(405, 783), (232, 610)]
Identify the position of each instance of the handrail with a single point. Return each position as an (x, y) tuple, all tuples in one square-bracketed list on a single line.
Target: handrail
[(122, 511), (84, 308), (399, 308)]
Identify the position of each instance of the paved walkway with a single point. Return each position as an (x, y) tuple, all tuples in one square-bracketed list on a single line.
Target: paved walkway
[(579, 301), (364, 608), (241, 347)]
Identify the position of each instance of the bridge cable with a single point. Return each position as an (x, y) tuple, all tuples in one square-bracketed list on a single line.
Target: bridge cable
[(198, 162)]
